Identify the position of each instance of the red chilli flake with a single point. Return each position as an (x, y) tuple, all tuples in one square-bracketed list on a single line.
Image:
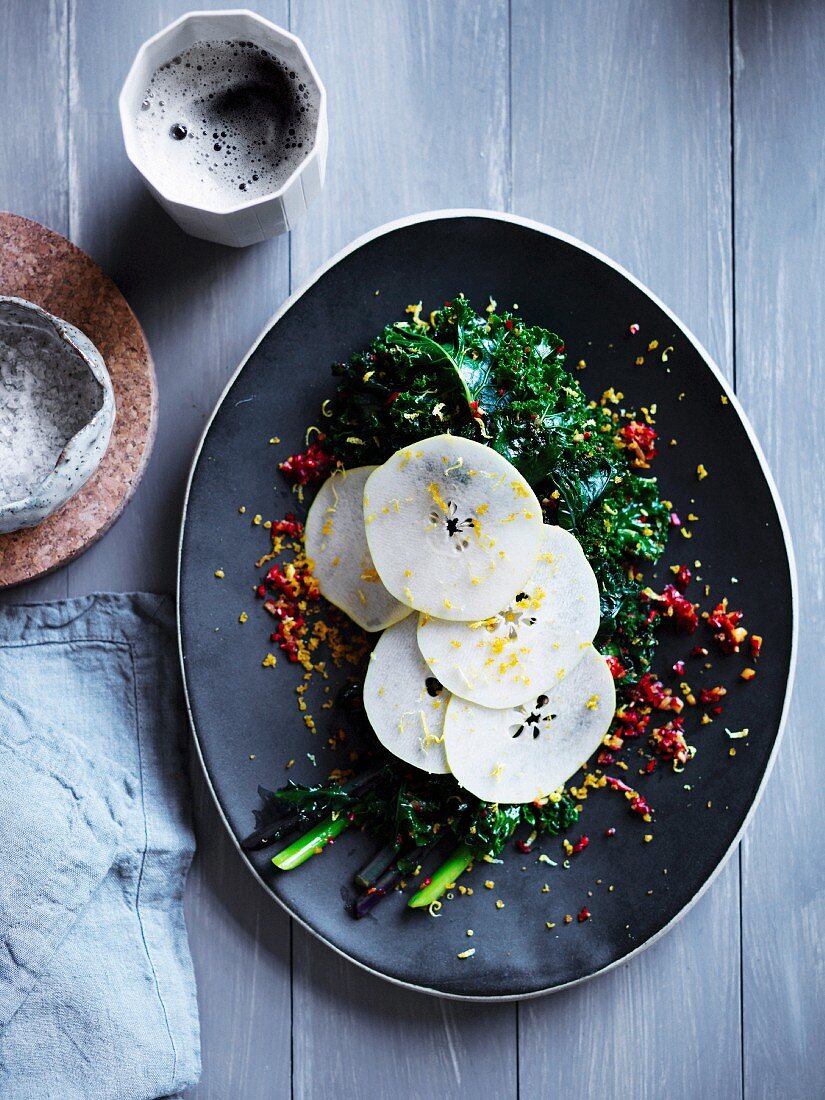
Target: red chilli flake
[(611, 831), (632, 721), (289, 526), (655, 694), (669, 742), (617, 784), (584, 915), (679, 668), (641, 806), (581, 843), (682, 578), (617, 669), (672, 605), (309, 467), (712, 695), (638, 804), (284, 591), (727, 633), (639, 439)]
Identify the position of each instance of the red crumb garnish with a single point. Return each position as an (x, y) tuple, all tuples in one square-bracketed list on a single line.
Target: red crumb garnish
[(617, 669), (632, 721), (672, 605), (309, 467), (289, 526), (727, 633), (638, 804), (669, 741), (287, 592), (682, 577), (640, 440), (712, 695), (641, 806), (583, 915), (655, 694)]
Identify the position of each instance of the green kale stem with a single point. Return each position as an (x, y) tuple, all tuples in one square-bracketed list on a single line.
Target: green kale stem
[(454, 865), (311, 843)]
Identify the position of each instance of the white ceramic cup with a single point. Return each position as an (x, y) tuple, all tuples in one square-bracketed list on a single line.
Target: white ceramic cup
[(254, 219)]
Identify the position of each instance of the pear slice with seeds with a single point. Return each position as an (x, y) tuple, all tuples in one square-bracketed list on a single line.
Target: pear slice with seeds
[(336, 543), (504, 660), (523, 753), (453, 528), (404, 702)]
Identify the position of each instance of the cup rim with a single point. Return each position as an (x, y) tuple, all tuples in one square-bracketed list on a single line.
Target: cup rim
[(128, 128)]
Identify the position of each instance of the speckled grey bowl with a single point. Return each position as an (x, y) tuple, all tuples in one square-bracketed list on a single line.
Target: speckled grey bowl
[(57, 409)]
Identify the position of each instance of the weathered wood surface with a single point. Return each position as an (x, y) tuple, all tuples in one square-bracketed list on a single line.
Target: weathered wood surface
[(780, 319), (628, 147), (620, 122)]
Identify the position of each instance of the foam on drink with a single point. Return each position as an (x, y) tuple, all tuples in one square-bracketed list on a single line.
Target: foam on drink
[(224, 122)]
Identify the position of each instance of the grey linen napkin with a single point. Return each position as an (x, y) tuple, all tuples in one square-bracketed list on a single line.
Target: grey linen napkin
[(97, 993)]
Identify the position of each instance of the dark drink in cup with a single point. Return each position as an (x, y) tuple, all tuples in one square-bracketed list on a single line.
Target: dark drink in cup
[(225, 121)]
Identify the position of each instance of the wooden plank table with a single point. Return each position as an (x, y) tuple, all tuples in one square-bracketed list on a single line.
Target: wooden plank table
[(683, 138)]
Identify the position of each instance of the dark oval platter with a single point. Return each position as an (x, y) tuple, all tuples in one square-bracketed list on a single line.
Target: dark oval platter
[(245, 717)]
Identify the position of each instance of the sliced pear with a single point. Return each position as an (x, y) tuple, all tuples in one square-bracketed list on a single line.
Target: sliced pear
[(504, 660), (453, 528), (404, 702), (336, 543), (523, 753)]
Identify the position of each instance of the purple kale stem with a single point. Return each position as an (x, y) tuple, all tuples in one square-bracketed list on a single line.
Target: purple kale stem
[(377, 865)]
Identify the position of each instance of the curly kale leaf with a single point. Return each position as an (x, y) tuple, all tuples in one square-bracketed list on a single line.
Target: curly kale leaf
[(487, 827), (496, 380), (551, 818), (305, 799)]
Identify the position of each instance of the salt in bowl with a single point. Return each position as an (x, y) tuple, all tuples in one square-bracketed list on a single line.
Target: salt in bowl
[(57, 409)]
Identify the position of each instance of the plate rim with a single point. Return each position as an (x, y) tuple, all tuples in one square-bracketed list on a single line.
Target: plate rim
[(550, 231)]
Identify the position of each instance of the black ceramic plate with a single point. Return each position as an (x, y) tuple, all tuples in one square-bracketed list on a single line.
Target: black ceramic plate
[(240, 710)]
